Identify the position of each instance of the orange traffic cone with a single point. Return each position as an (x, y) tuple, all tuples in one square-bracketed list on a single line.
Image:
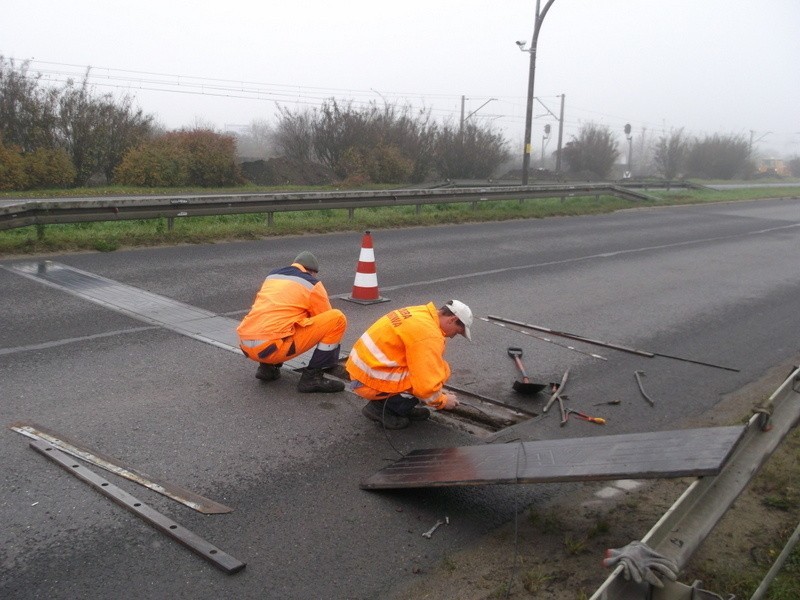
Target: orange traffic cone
[(365, 287)]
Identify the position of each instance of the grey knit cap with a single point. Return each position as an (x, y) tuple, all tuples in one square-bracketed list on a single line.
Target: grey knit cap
[(308, 260)]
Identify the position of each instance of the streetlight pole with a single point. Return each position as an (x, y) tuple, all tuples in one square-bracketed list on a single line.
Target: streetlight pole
[(526, 156)]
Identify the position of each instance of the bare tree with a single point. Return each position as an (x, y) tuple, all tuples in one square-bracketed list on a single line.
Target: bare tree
[(294, 135), (670, 153), (28, 112), (593, 152), (720, 157), (97, 131), (471, 152)]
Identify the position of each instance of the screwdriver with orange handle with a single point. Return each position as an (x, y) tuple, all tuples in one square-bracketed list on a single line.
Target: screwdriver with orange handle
[(598, 420)]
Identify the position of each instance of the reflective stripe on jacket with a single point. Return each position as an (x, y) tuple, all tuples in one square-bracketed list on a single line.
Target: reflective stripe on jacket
[(403, 351), (289, 296)]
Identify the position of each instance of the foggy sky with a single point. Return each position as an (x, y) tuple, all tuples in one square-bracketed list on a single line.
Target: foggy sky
[(708, 66)]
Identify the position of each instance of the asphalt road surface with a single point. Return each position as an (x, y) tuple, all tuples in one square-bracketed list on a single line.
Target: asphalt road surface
[(716, 283)]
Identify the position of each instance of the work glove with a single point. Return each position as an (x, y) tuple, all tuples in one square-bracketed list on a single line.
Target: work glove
[(641, 563), (451, 401)]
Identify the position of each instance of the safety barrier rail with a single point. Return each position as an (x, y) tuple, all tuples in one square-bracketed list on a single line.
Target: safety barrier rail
[(688, 522), (24, 213)]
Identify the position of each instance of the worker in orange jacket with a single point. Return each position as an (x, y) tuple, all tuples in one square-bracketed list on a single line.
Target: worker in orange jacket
[(399, 362), (292, 314)]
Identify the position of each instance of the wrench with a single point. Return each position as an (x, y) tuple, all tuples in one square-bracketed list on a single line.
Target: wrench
[(564, 412), (638, 375), (429, 533)]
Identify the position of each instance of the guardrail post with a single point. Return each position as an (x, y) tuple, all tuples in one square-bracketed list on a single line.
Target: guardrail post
[(270, 219), (351, 213), (40, 231), (170, 223), (417, 208)]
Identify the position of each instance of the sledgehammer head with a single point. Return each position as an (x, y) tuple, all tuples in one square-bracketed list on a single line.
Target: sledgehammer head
[(528, 389)]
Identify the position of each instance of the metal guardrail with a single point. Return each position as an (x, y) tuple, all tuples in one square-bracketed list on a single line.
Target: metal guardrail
[(80, 210), (688, 522)]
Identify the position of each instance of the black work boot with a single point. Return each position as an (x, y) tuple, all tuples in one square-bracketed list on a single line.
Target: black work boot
[(377, 411), (419, 413), (337, 371), (267, 372), (312, 380)]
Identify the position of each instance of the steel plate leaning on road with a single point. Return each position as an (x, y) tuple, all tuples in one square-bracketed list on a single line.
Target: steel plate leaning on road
[(682, 453)]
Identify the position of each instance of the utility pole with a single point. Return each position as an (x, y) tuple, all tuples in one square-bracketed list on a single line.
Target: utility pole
[(560, 118), (560, 136), (752, 141), (461, 128), (526, 156), (464, 119)]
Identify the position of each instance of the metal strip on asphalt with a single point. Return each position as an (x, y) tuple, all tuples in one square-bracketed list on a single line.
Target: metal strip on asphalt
[(177, 493), (195, 543), (191, 321)]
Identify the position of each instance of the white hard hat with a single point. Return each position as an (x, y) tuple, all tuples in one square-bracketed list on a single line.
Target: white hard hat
[(464, 314)]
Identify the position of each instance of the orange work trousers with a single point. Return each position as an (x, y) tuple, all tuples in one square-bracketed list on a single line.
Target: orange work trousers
[(325, 330)]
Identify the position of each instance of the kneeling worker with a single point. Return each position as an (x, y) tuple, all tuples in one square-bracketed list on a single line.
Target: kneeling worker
[(399, 362), (291, 314)]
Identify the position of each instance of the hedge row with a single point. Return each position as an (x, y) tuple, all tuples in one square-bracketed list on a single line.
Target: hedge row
[(43, 168), (181, 158)]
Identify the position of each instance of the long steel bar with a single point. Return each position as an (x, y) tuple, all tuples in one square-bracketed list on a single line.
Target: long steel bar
[(511, 407), (542, 338), (195, 543), (177, 493), (23, 213), (580, 338), (688, 522)]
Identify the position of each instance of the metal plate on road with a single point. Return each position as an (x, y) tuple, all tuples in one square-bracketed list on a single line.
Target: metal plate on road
[(660, 454), (195, 543), (74, 448), (142, 305)]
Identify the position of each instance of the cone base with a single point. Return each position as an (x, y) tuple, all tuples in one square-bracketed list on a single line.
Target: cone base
[(364, 302)]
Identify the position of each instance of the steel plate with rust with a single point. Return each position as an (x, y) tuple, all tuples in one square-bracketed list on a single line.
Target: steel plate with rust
[(682, 453)]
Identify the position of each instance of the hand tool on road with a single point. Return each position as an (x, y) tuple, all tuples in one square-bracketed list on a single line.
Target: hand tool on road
[(557, 391), (438, 524), (585, 417), (525, 386), (580, 338), (638, 375), (564, 413)]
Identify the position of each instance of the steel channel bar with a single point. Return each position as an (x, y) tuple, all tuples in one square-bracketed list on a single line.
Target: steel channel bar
[(177, 493), (202, 548), (688, 522)]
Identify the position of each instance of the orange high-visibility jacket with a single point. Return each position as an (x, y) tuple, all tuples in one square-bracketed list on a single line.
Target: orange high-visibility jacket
[(288, 297), (403, 351)]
